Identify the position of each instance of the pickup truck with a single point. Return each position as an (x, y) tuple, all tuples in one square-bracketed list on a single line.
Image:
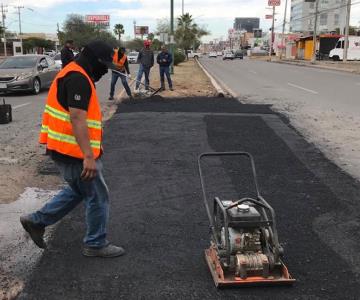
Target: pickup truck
[(193, 54)]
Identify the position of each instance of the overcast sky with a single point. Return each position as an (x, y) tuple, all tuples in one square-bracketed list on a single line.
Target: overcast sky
[(217, 15)]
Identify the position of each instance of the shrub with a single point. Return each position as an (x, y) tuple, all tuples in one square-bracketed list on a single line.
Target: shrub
[(179, 57)]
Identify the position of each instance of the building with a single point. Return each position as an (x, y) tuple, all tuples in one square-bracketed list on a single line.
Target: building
[(246, 24), (302, 16)]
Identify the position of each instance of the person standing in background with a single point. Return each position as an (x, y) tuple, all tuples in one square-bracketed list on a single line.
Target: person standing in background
[(67, 54), (146, 60), (164, 59)]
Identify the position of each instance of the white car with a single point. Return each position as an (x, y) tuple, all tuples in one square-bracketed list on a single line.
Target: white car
[(57, 59), (219, 53), (212, 54), (133, 57), (228, 55)]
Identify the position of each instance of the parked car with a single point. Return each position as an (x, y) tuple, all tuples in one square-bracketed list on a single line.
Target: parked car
[(50, 53), (212, 54), (57, 59), (133, 57), (27, 73), (239, 54), (228, 55), (193, 54), (219, 53)]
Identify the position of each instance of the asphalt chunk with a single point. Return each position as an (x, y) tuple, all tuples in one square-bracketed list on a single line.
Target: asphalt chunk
[(158, 215)]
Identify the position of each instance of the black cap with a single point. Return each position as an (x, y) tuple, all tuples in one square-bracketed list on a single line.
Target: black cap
[(103, 52)]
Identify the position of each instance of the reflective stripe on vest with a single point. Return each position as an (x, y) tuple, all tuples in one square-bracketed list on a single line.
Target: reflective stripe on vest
[(56, 130)]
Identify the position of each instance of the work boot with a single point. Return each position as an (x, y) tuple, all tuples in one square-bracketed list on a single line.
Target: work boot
[(107, 251), (111, 98), (171, 89), (35, 231)]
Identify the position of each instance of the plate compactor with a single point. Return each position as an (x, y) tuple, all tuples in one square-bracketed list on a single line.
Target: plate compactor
[(244, 248)]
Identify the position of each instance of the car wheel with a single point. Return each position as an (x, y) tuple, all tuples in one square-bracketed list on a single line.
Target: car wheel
[(36, 86), (196, 57), (336, 58)]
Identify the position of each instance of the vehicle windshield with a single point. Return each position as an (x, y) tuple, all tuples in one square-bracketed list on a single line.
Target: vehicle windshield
[(18, 63)]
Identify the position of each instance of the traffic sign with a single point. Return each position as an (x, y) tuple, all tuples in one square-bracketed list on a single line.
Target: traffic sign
[(274, 2), (268, 17)]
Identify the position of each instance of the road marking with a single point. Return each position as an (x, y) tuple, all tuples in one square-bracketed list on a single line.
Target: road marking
[(252, 71), (21, 105), (302, 88)]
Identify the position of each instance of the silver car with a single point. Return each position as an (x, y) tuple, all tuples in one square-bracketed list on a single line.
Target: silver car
[(27, 73)]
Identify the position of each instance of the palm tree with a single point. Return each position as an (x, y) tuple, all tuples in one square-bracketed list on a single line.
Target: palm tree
[(119, 30), (188, 33)]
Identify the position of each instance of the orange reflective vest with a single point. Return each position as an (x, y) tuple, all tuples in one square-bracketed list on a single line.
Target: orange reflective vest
[(119, 63), (56, 130)]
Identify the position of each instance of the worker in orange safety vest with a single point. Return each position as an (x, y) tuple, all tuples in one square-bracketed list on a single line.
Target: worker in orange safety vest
[(121, 61), (72, 132)]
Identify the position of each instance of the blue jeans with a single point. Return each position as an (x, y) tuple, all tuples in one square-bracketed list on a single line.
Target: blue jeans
[(114, 78), (165, 70), (96, 199), (146, 71)]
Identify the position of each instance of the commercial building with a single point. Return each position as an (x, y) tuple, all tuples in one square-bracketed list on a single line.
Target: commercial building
[(332, 15), (246, 24)]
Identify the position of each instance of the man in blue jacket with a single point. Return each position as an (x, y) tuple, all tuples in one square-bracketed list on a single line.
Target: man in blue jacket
[(164, 59)]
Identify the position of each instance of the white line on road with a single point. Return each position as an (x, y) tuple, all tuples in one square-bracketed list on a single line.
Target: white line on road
[(252, 71), (21, 105), (302, 88)]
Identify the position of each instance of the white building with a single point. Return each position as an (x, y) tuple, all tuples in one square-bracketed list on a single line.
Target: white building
[(331, 16)]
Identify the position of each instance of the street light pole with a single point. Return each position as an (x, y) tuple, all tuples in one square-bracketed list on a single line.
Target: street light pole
[(272, 32), (313, 59), (182, 7), (283, 31), (346, 41), (172, 35), (4, 28)]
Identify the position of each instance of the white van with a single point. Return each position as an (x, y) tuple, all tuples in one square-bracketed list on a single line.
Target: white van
[(353, 52)]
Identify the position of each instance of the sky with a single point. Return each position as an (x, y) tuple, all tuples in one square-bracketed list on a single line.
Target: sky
[(216, 15)]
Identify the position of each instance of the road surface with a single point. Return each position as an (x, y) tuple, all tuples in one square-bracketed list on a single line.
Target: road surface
[(252, 79), (323, 105)]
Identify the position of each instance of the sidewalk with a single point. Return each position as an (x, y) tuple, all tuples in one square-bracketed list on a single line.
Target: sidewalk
[(351, 66), (158, 216)]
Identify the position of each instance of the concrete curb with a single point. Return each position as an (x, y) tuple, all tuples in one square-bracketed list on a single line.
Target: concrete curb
[(316, 66), (220, 92)]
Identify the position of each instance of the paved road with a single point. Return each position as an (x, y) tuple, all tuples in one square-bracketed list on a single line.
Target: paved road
[(321, 89), (158, 215)]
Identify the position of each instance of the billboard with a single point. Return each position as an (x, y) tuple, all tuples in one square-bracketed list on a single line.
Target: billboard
[(141, 30), (274, 2), (98, 19)]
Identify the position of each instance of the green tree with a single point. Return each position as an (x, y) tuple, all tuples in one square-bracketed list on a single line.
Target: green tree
[(150, 36), (188, 33), (33, 43), (119, 30), (81, 33)]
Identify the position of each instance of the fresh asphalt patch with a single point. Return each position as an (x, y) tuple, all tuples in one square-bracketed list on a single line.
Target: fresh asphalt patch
[(158, 215)]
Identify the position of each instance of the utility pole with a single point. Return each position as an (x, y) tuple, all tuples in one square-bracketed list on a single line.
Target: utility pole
[(19, 14), (134, 29), (272, 32), (346, 41), (182, 7), (172, 35), (283, 31), (313, 59), (4, 28)]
